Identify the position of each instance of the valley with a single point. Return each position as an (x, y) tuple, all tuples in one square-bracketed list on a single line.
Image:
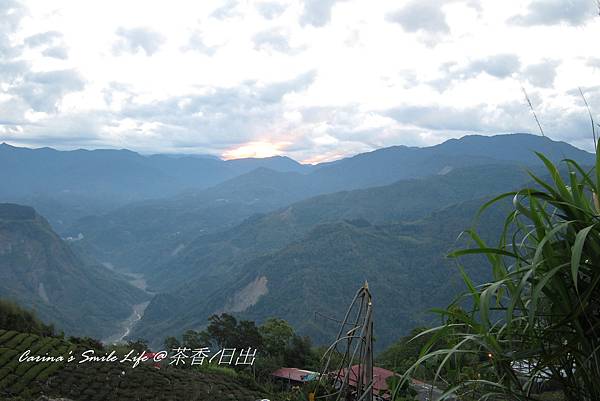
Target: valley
[(138, 281), (271, 237)]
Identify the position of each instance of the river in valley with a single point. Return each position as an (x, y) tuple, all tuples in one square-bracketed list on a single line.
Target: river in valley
[(137, 280)]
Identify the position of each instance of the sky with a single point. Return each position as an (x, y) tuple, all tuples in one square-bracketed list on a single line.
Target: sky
[(315, 80)]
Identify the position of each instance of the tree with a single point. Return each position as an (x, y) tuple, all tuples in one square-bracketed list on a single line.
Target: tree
[(195, 339), (13, 317), (248, 335), (222, 329), (299, 353), (139, 345), (226, 332), (171, 343), (276, 335)]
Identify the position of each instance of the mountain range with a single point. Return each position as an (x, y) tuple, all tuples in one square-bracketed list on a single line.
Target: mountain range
[(67, 185), (313, 250), (273, 237)]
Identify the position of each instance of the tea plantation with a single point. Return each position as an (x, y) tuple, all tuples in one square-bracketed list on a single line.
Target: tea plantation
[(106, 381)]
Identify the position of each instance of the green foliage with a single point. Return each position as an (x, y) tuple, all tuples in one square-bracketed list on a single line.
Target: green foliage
[(278, 346), (299, 353), (276, 334), (86, 343), (227, 332), (23, 378), (171, 343), (401, 390), (195, 339), (13, 317), (20, 381), (401, 355), (139, 345), (536, 323)]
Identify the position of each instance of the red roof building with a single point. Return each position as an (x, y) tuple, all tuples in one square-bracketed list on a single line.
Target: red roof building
[(380, 377), (296, 376)]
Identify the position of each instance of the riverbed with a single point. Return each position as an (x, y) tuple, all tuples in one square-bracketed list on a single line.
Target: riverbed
[(138, 281)]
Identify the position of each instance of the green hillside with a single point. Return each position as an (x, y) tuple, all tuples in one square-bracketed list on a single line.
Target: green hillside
[(219, 253), (404, 264), (104, 381), (39, 271), (145, 234), (206, 276)]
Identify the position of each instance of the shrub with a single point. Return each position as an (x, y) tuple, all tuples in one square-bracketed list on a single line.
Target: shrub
[(538, 320)]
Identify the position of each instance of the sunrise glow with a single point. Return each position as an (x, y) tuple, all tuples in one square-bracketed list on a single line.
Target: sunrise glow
[(253, 149)]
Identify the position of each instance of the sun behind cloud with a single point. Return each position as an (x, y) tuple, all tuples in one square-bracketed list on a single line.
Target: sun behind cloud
[(253, 149)]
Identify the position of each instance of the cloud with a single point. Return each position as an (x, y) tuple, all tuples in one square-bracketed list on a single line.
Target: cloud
[(551, 12), (435, 117), (138, 39), (26, 89), (274, 92), (196, 43), (43, 39), (51, 42), (593, 62), (511, 116), (56, 52), (270, 9), (571, 125), (272, 39), (217, 119), (475, 4), (421, 15), (11, 13), (316, 12), (227, 10), (12, 114), (591, 94), (336, 132), (499, 66), (11, 70), (72, 130), (44, 90), (541, 74)]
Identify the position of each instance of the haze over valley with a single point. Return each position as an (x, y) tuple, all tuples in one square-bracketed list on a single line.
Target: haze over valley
[(251, 237)]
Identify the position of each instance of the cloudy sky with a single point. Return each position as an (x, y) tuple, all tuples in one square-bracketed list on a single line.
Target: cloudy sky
[(312, 79)]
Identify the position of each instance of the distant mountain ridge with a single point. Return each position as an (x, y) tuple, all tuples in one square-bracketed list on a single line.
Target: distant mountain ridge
[(144, 233), (387, 165), (94, 181), (84, 182), (129, 176)]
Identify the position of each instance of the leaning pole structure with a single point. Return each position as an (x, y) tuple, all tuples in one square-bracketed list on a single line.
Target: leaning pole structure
[(350, 377)]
